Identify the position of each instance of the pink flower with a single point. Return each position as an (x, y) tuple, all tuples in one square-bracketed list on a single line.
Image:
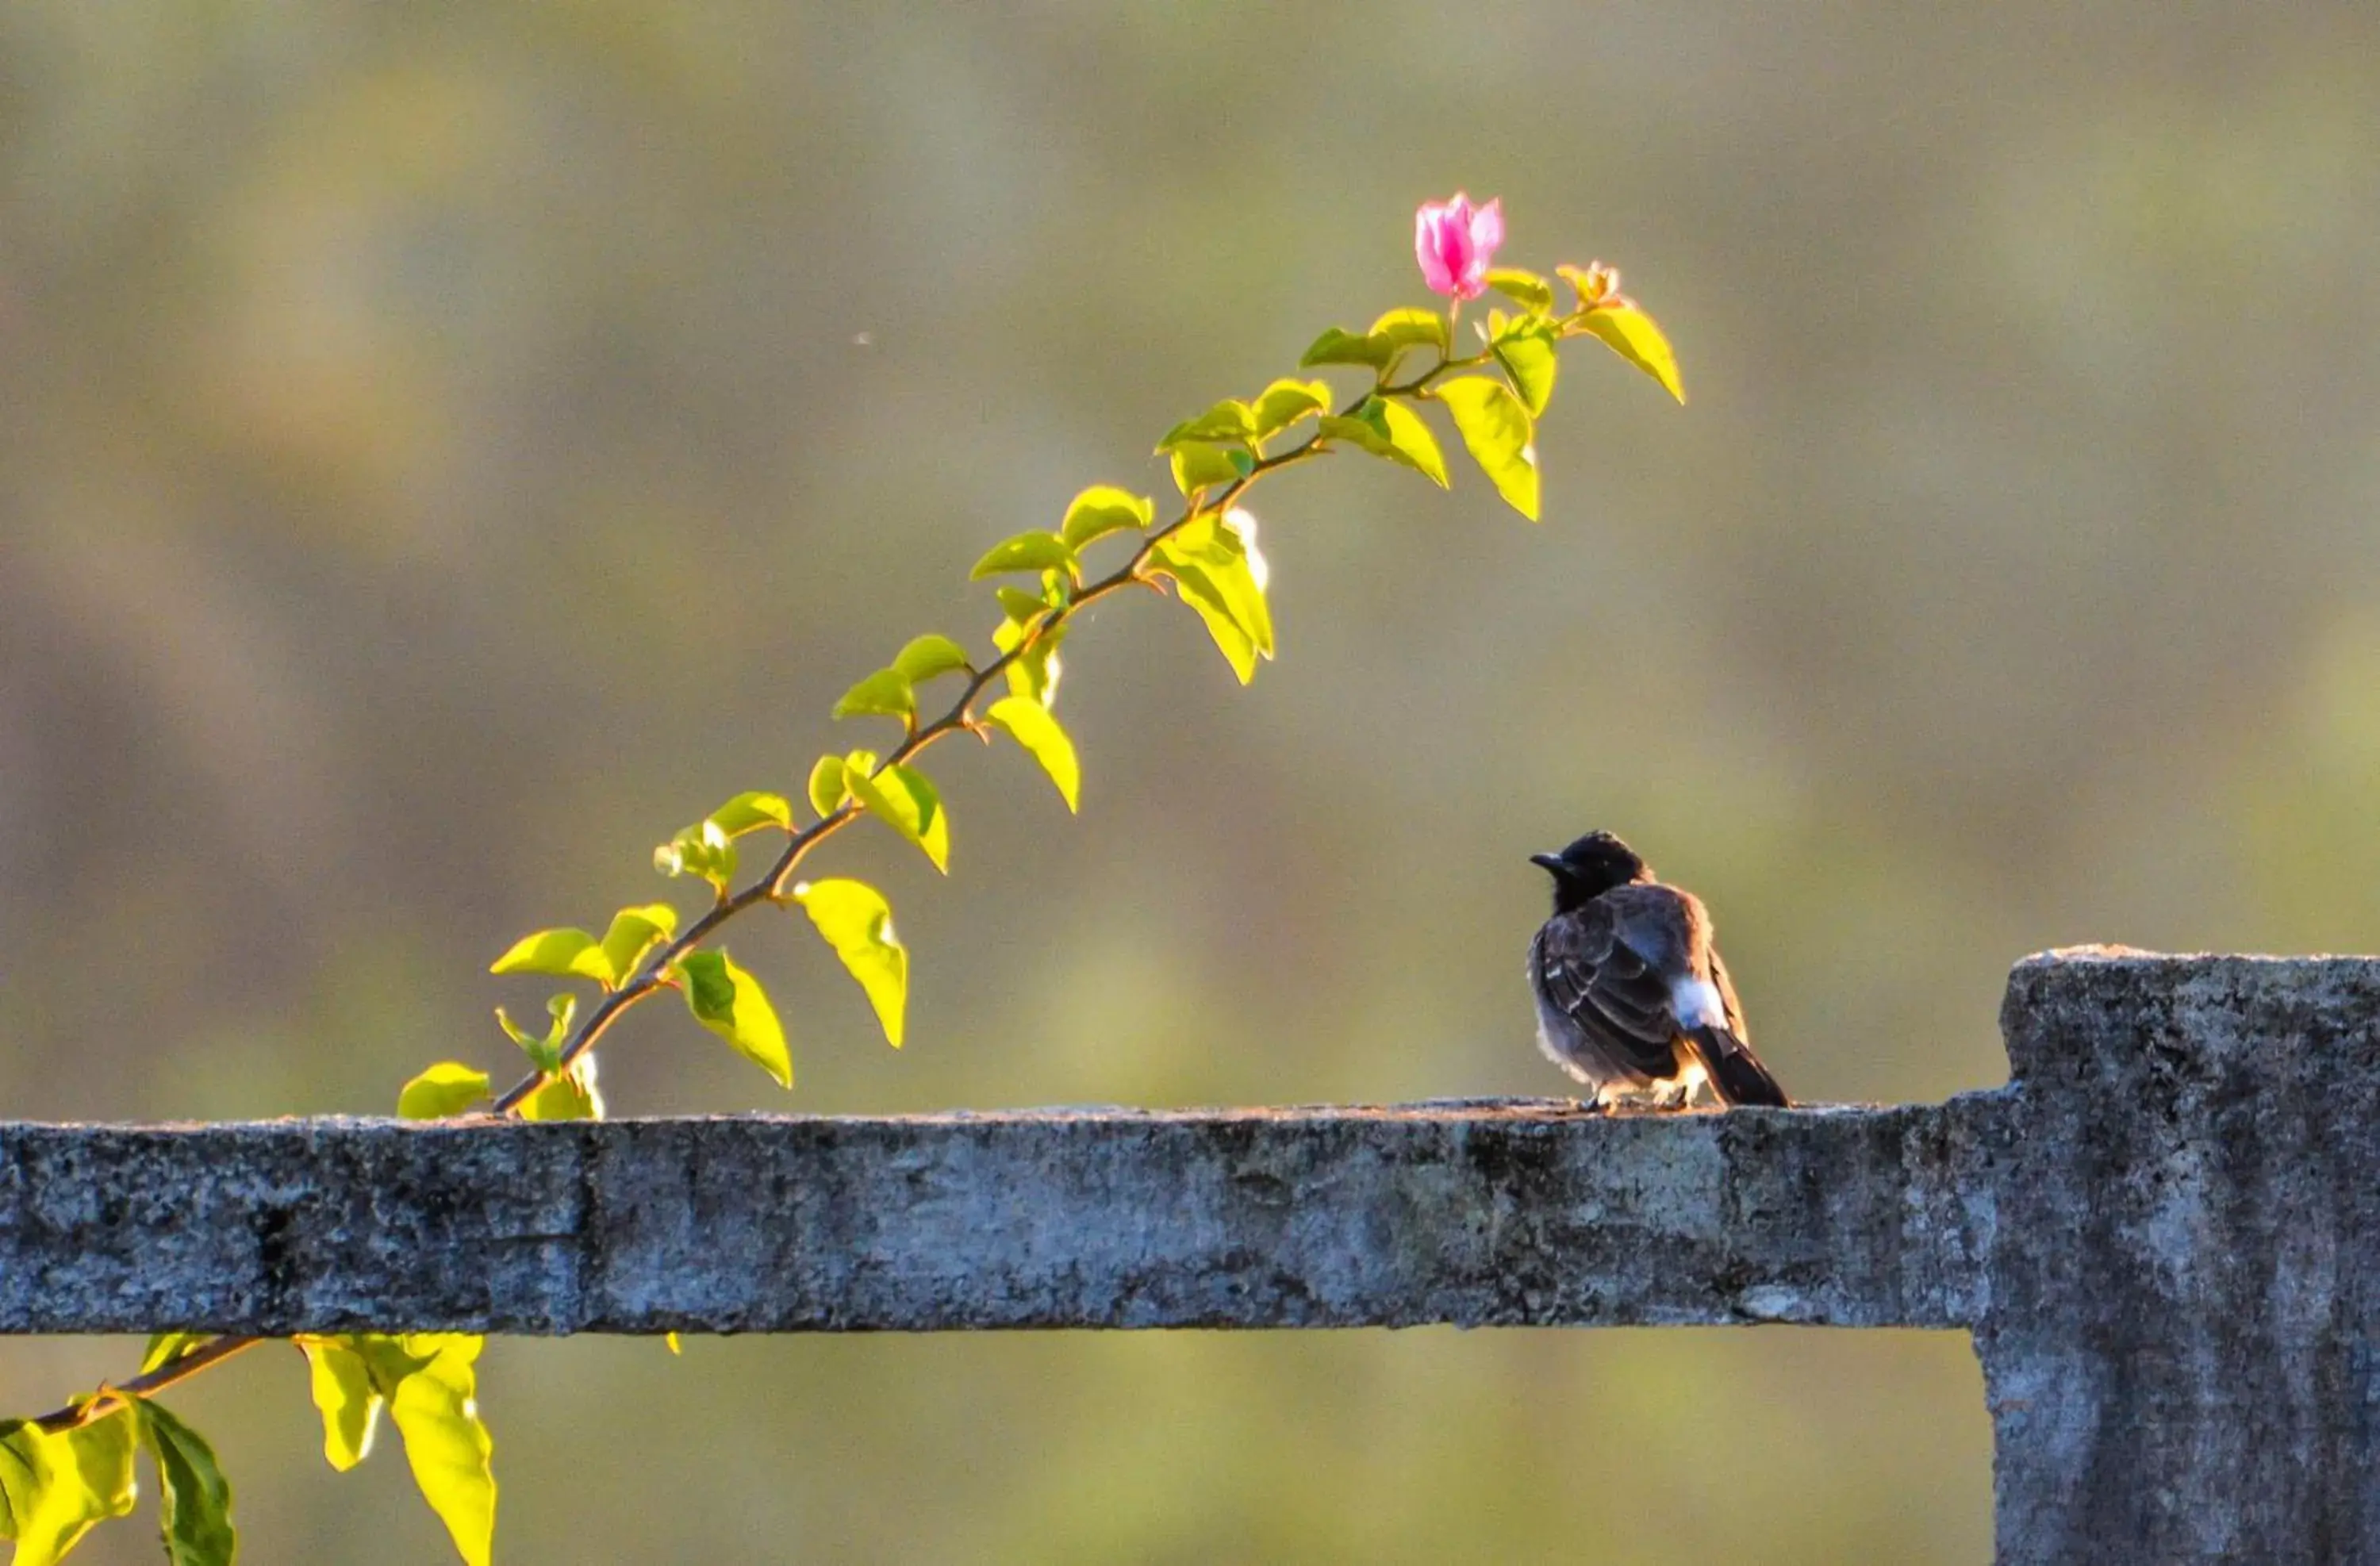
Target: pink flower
[(1454, 241)]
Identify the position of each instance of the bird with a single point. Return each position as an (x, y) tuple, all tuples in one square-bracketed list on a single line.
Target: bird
[(1632, 997)]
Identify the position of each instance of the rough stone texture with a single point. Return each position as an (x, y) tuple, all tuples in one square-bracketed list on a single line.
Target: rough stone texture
[(2184, 1280), (1484, 1214), (2164, 1235)]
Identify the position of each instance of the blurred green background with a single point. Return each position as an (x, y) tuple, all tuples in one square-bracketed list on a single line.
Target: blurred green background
[(447, 448)]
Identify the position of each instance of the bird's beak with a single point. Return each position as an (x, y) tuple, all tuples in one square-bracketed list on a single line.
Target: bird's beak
[(1549, 861)]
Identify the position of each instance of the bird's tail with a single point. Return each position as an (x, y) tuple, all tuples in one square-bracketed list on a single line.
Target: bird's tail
[(1735, 1073)]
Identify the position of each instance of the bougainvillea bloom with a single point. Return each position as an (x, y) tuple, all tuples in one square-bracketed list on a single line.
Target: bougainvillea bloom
[(1454, 241)]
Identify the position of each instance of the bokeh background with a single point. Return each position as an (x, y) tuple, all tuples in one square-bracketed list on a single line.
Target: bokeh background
[(444, 449)]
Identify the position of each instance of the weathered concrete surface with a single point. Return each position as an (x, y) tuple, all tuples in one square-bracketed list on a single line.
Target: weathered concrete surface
[(1488, 1214), (2184, 1282)]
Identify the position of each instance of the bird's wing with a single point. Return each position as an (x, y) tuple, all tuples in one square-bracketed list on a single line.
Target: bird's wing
[(1610, 988)]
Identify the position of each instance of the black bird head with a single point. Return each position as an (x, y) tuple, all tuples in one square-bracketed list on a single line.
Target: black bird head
[(1591, 866)]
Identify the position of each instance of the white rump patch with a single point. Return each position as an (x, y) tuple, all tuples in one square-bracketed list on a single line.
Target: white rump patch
[(1695, 1003)]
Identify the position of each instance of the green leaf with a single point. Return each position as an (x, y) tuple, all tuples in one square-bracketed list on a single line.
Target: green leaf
[(858, 923), (446, 1443), (1633, 336), (1034, 672), (751, 811), (1230, 420), (1197, 465), (1283, 403), (886, 692), (1218, 572), (1387, 427), (343, 1391), (166, 1347), (1525, 349), (730, 1003), (193, 1498), (1103, 509), (1412, 328), (1029, 551), (1021, 607), (1501, 435), (544, 1053), (570, 1093), (634, 933), (826, 785), (904, 799), (449, 1087), (565, 953), (1030, 724), (57, 1485), (926, 656), (1335, 347), (1526, 289), (702, 850)]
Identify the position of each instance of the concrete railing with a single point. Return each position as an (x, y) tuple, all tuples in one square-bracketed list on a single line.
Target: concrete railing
[(2164, 1235)]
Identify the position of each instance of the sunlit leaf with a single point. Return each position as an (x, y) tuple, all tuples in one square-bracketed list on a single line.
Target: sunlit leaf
[(905, 800), (1526, 351), (1021, 607), (1526, 289), (858, 923), (545, 1053), (1412, 328), (886, 693), (701, 850), (1230, 420), (1029, 551), (166, 1347), (447, 1088), (446, 1443), (634, 933), (570, 1093), (1215, 572), (730, 1003), (1385, 427), (1029, 723), (1335, 347), (1197, 465), (826, 785), (928, 656), (193, 1498), (1634, 337), (751, 811), (1499, 434), (1285, 401), (1103, 509), (59, 1484), (343, 1391), (565, 953), (1034, 672)]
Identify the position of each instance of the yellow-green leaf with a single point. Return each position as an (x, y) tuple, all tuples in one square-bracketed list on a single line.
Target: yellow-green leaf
[(1199, 466), (545, 1053), (1336, 346), (905, 800), (857, 922), (1411, 328), (1499, 434), (570, 1093), (1230, 420), (1218, 571), (566, 954), (928, 656), (1030, 724), (344, 1393), (1029, 551), (446, 1443), (1526, 289), (1283, 403), (1103, 509), (166, 1347), (826, 785), (634, 933), (57, 1485), (193, 1496), (752, 811), (1634, 337), (449, 1087), (730, 1003), (1034, 672), (702, 850), (1525, 350), (885, 693), (1387, 427)]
